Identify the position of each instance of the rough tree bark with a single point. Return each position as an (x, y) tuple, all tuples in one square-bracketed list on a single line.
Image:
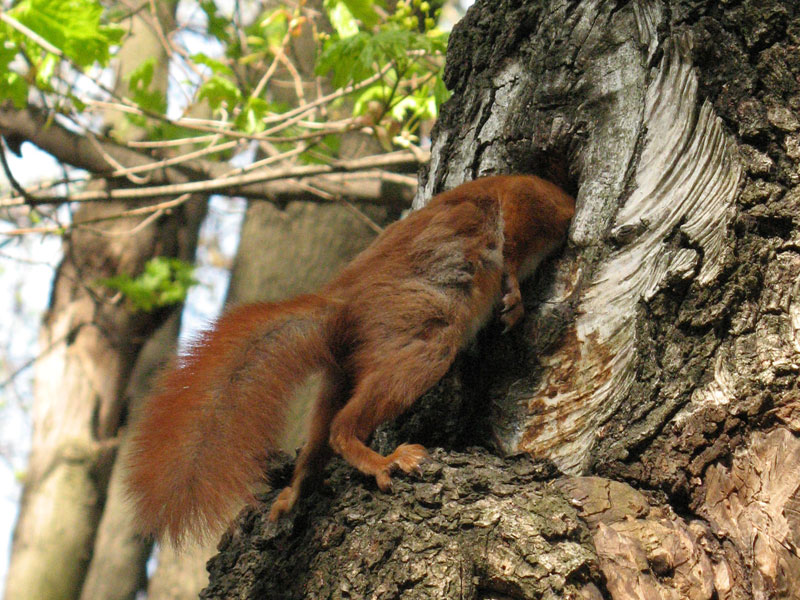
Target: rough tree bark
[(654, 379)]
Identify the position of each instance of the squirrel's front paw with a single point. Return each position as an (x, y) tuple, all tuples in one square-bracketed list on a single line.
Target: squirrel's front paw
[(512, 310)]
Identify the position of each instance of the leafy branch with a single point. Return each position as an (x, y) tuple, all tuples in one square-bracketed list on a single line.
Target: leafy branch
[(163, 282), (384, 69)]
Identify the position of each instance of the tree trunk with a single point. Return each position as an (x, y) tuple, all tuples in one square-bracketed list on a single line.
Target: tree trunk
[(79, 401), (654, 379), (93, 337)]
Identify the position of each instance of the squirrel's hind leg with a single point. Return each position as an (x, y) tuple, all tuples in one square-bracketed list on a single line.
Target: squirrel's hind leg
[(316, 452), (384, 392)]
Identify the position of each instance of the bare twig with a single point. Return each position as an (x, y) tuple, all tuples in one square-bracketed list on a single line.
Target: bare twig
[(120, 170), (151, 212), (323, 100), (298, 81), (200, 139), (155, 24), (175, 160), (265, 162), (10, 176), (262, 83), (219, 127), (230, 184), (347, 204), (155, 211)]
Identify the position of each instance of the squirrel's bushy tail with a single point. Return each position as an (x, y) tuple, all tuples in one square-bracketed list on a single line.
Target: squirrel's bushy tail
[(202, 438)]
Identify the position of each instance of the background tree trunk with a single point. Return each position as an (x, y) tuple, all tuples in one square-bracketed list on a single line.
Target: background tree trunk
[(80, 402), (654, 378)]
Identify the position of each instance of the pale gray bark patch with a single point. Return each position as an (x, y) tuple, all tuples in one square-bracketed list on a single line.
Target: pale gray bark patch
[(654, 164), (644, 550), (686, 180), (755, 502)]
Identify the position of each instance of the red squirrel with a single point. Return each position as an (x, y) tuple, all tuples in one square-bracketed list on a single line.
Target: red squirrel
[(381, 333)]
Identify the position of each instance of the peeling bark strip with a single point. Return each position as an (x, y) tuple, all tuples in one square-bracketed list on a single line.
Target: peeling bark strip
[(686, 181), (645, 552), (756, 503), (668, 149)]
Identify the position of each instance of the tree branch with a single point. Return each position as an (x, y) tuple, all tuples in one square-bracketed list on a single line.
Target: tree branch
[(103, 158)]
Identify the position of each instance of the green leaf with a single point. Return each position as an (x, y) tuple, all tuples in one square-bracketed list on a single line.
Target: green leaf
[(219, 89), (73, 26), (364, 11), (45, 70), (14, 87), (139, 82), (164, 281), (270, 31), (7, 50), (142, 76), (374, 93), (348, 16), (409, 104), (342, 20), (440, 92), (325, 151), (216, 66), (79, 105), (398, 41), (217, 24), (251, 119), (419, 105), (354, 58), (348, 59)]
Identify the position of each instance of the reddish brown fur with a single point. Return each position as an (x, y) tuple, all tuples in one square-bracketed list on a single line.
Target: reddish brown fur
[(383, 332)]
